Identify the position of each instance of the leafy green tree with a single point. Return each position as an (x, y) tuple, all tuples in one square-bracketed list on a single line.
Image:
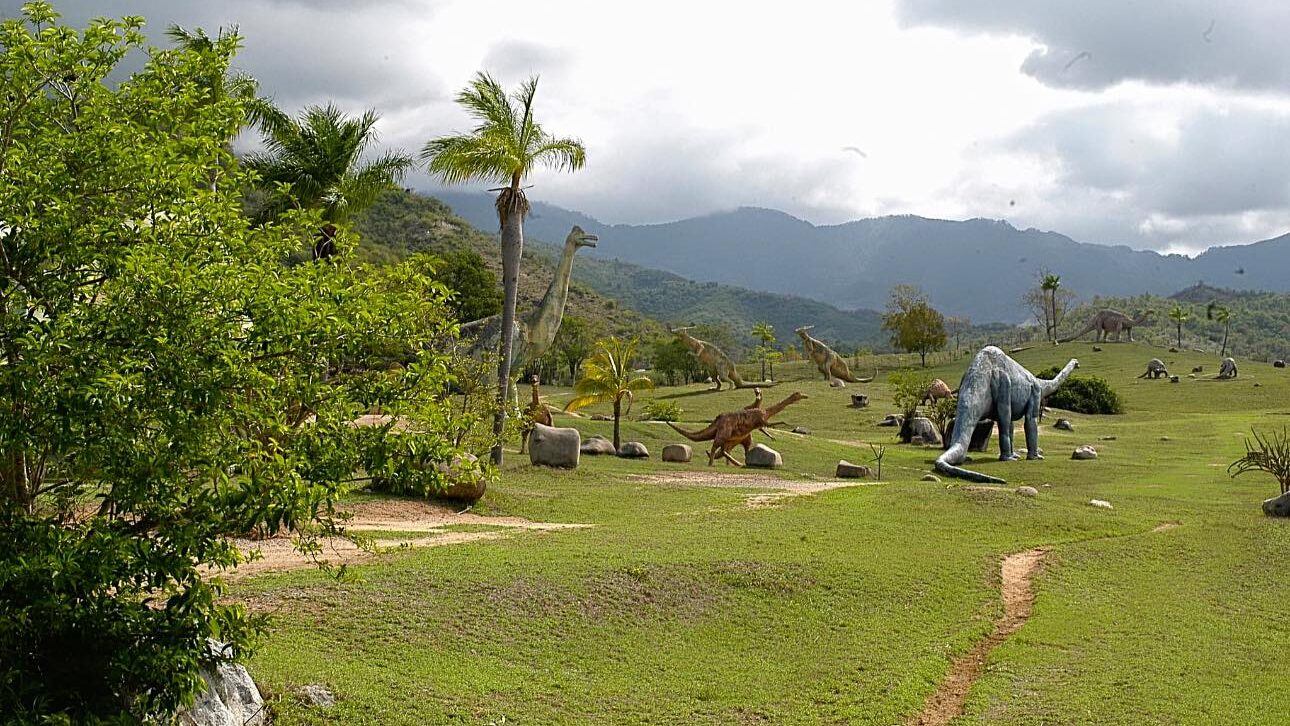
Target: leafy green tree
[(1179, 315), (166, 384), (506, 145), (765, 332), (575, 340), (608, 377), (317, 163), (474, 286), (674, 360), (915, 326)]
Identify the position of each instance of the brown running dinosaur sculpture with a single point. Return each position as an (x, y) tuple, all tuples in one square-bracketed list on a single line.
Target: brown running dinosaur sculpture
[(833, 366), (735, 428), (536, 413)]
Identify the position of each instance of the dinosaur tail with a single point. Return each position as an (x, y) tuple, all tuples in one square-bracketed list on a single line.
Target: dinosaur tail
[(1073, 337), (756, 385), (957, 451), (870, 379), (704, 435)]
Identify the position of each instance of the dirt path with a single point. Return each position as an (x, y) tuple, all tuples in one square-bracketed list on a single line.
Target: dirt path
[(947, 702), (780, 489), (428, 519)]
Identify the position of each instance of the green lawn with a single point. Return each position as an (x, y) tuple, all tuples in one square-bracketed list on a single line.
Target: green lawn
[(685, 605)]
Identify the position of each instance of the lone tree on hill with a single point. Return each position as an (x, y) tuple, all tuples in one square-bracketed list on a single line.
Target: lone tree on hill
[(915, 326), (1179, 315), (765, 332), (505, 146)]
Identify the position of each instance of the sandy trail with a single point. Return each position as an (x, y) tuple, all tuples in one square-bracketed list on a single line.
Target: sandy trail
[(780, 489), (429, 519), (1017, 571)]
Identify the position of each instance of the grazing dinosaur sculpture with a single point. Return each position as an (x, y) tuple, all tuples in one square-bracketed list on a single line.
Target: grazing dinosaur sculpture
[(735, 428), (833, 366), (1227, 369), (1155, 369), (996, 387), (716, 363), (536, 413), (1108, 321), (535, 331)]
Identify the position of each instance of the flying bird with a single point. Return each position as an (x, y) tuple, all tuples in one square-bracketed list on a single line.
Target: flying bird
[(1208, 31), (1082, 55), (855, 150)]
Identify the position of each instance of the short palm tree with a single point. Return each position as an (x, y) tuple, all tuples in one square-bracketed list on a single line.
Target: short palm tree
[(1179, 315), (505, 146), (320, 157), (1050, 284), (1224, 316), (765, 332), (607, 376)]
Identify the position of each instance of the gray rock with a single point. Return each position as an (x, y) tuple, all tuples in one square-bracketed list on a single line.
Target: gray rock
[(598, 446), (677, 453), (981, 436), (316, 695), (601, 417), (801, 430), (923, 428), (230, 698), (762, 456), (1100, 504), (930, 477), (463, 481), (1278, 363), (551, 446), (1108, 438), (859, 400), (893, 419), (1173, 379), (1277, 506), (1084, 452), (847, 470), (633, 450), (1097, 349), (1028, 491), (1063, 424)]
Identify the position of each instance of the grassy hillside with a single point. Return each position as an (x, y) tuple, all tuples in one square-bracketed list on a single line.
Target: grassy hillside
[(1259, 325), (703, 599)]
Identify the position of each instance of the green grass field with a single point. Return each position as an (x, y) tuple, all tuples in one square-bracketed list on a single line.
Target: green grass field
[(686, 605)]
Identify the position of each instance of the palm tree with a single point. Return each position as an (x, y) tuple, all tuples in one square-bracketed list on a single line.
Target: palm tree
[(1224, 316), (1179, 315), (1050, 284), (505, 146), (320, 159), (607, 376), (765, 332)]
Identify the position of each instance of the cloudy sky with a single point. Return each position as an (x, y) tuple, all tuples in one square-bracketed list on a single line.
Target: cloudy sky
[(1154, 124)]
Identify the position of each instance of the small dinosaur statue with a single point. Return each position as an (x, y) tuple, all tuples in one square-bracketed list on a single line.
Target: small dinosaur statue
[(1155, 369), (833, 366), (535, 331), (997, 388), (735, 428), (536, 413), (1108, 321), (1227, 369), (716, 363), (937, 390)]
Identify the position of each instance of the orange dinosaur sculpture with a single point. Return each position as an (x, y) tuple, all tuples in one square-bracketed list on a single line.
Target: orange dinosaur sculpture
[(536, 413), (937, 390), (735, 428)]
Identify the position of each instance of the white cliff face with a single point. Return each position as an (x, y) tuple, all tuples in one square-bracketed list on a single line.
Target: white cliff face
[(230, 699)]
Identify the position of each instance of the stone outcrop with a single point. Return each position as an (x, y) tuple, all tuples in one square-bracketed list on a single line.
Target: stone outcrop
[(1277, 506), (762, 456), (677, 453), (847, 470), (598, 446), (1084, 453), (230, 699), (557, 447), (633, 450)]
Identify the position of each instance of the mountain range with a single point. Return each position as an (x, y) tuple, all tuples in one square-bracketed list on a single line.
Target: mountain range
[(977, 268)]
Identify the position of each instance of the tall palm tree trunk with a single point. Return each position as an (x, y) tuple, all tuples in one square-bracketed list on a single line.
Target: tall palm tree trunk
[(512, 250), (1224, 353), (618, 403)]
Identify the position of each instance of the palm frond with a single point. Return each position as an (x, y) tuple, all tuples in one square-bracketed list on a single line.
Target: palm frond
[(583, 401), (561, 154), (486, 100)]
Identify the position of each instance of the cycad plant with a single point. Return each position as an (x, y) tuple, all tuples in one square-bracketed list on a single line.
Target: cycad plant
[(505, 146), (607, 376)]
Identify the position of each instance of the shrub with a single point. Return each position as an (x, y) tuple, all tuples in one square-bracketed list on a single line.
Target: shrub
[(1084, 394), (661, 411), (1270, 453)]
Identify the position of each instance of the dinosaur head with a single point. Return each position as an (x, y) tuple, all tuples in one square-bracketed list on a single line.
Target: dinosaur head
[(796, 396), (802, 330), (578, 238)]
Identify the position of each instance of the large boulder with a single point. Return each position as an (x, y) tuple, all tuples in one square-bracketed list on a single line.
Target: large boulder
[(981, 436), (551, 446), (598, 446), (859, 400), (1277, 506), (464, 481), (230, 698), (892, 419), (923, 431), (677, 453), (847, 470), (1084, 452), (633, 450), (1278, 363), (1064, 424), (762, 456)]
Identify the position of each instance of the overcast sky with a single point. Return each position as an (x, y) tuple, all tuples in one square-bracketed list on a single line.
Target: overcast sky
[(1160, 125)]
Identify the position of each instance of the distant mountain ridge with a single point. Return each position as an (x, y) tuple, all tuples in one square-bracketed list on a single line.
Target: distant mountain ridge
[(979, 268)]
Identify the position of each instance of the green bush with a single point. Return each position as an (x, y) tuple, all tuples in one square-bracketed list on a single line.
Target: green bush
[(1084, 394), (661, 411)]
